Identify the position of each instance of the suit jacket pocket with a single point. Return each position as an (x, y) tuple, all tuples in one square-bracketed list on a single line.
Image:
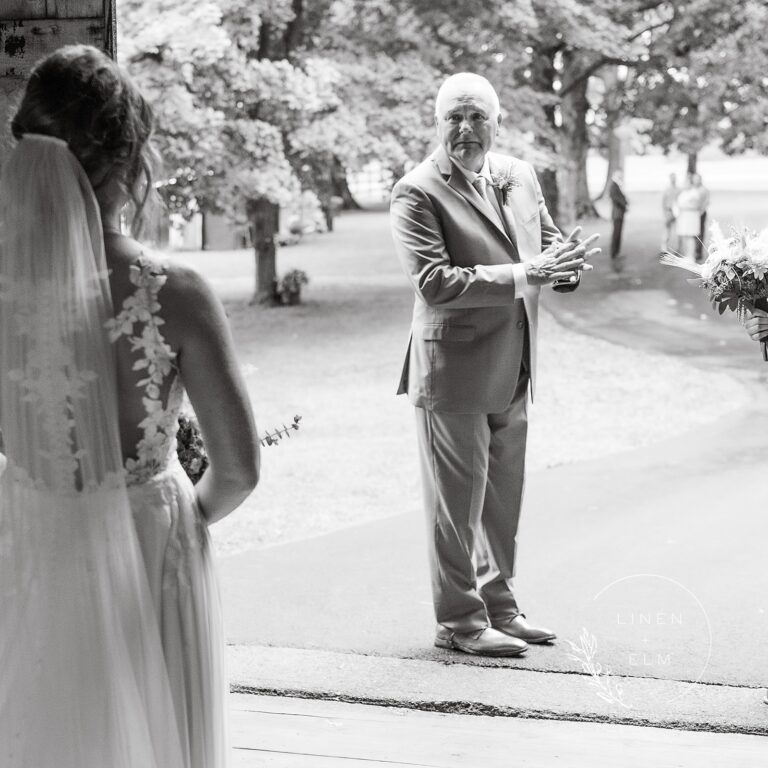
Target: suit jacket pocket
[(442, 332), (530, 216)]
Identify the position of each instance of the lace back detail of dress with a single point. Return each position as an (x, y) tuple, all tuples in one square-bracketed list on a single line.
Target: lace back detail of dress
[(139, 321)]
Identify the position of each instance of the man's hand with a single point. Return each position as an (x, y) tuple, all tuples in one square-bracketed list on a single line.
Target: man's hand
[(562, 262), (757, 325)]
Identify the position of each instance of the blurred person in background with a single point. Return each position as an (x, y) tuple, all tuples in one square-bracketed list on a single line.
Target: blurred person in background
[(689, 218), (669, 211), (703, 206)]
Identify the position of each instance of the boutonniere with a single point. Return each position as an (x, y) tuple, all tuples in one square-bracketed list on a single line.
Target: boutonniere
[(505, 182)]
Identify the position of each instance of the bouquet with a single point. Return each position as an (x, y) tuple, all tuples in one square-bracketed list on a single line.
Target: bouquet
[(735, 272), (191, 448)]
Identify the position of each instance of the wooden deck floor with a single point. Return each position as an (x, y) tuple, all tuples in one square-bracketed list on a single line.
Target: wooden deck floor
[(279, 732)]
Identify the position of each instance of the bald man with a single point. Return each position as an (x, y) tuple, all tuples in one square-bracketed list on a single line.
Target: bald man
[(473, 234)]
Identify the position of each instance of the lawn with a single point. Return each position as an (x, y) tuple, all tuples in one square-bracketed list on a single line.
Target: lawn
[(335, 360)]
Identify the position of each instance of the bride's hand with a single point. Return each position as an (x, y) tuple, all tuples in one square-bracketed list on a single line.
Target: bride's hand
[(757, 325)]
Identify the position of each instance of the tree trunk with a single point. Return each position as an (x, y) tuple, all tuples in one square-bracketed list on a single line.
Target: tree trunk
[(576, 202), (204, 230), (265, 218), (693, 159), (542, 80), (341, 188), (616, 154), (326, 206), (549, 188), (294, 30), (612, 105)]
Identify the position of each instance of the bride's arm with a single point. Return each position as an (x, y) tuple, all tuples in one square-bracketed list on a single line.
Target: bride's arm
[(211, 375)]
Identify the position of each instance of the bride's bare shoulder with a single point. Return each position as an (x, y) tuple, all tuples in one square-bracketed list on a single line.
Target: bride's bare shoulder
[(186, 301), (126, 258), (185, 288), (191, 309)]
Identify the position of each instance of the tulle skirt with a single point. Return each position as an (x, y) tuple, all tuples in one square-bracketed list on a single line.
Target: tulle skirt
[(111, 643), (83, 679), (179, 562)]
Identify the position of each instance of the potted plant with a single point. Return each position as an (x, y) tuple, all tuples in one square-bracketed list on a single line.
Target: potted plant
[(288, 287)]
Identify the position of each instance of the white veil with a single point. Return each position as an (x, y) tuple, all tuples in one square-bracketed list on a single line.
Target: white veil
[(83, 681)]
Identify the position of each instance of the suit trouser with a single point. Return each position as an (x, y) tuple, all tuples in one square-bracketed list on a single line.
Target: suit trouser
[(702, 236), (618, 225), (473, 468)]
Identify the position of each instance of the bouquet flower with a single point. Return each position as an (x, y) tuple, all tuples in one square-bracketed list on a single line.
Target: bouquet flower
[(735, 272), (190, 448)]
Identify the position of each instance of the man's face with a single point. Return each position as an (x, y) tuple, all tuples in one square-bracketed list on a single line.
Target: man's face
[(467, 125)]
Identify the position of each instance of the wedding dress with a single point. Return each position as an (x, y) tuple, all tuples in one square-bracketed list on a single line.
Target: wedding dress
[(110, 633), (173, 536)]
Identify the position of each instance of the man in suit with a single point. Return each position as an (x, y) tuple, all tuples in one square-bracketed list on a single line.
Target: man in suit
[(473, 234), (619, 205)]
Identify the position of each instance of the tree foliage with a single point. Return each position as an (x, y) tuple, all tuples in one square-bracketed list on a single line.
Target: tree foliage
[(257, 98), (706, 79)]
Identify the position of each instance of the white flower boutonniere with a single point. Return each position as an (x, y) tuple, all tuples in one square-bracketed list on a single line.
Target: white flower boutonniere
[(505, 182)]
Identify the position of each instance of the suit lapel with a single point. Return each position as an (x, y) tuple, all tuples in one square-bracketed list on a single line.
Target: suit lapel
[(506, 210), (506, 214), (458, 182)]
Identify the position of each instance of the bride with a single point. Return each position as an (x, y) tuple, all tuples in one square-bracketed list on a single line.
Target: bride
[(111, 645)]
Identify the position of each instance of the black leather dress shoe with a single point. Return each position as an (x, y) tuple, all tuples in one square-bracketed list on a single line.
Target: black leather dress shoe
[(520, 628), (483, 642)]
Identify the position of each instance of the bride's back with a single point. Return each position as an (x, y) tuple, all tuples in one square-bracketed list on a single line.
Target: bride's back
[(146, 342)]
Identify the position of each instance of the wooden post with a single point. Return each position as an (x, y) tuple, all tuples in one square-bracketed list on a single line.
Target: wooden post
[(265, 221), (31, 29)]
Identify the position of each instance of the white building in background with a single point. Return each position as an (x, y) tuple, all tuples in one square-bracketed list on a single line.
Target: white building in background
[(650, 172), (372, 185), (214, 232)]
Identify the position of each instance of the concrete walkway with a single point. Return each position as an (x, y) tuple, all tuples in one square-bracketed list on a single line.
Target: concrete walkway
[(688, 515)]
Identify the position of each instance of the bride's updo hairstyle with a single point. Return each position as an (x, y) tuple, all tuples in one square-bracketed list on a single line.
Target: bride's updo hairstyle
[(80, 95)]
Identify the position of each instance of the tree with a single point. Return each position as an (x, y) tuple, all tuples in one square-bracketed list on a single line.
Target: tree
[(705, 80), (226, 109), (572, 41), (257, 99)]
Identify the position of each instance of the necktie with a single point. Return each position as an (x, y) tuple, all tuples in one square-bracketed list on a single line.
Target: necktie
[(480, 185)]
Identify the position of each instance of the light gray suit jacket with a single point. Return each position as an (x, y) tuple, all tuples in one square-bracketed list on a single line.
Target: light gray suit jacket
[(468, 330)]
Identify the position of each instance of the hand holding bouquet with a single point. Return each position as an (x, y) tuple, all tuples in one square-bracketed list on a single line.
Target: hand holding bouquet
[(735, 273), (190, 448)]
